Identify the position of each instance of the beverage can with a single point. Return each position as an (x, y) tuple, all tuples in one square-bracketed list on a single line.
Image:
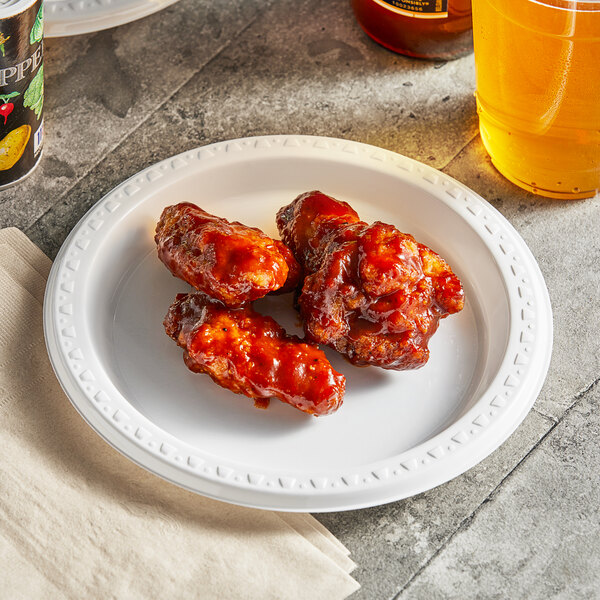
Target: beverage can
[(21, 88)]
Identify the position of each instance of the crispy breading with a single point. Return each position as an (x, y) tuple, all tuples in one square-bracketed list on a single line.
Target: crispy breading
[(228, 261), (251, 354), (373, 293)]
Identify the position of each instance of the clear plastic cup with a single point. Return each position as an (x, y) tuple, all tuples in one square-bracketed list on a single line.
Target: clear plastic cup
[(538, 92)]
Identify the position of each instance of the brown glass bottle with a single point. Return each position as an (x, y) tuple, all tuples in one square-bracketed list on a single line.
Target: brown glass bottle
[(435, 29)]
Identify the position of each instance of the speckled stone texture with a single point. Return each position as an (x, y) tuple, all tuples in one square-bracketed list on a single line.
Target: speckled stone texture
[(561, 236), (101, 87), (391, 543), (524, 522), (537, 538)]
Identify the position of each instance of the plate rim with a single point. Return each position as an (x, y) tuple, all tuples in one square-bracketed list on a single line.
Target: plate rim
[(377, 485), (74, 17)]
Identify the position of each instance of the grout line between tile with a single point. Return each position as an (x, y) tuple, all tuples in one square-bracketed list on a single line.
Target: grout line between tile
[(584, 391), (576, 398), (543, 414), (452, 158), (469, 518), (234, 37)]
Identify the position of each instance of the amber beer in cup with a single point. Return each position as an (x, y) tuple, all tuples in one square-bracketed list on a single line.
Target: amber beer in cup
[(538, 92)]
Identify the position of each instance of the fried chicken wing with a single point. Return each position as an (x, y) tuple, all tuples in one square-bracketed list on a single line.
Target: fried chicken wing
[(295, 273), (373, 293), (229, 261), (251, 354), (307, 223)]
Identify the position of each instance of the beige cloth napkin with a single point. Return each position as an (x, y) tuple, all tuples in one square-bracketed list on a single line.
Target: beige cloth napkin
[(78, 520)]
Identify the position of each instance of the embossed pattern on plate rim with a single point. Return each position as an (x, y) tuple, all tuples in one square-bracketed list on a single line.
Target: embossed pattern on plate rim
[(467, 441)]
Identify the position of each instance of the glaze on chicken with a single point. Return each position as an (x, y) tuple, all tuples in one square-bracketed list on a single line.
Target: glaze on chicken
[(228, 261), (251, 354), (371, 292)]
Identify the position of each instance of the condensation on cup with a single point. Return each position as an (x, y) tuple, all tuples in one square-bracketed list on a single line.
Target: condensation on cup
[(538, 92), (21, 88)]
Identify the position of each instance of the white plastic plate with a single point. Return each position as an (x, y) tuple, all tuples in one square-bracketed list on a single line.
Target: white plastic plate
[(397, 433), (75, 17)]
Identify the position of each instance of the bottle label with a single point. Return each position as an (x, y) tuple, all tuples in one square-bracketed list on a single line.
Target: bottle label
[(421, 9)]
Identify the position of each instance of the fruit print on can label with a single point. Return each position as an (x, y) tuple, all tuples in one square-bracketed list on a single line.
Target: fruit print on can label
[(21, 89)]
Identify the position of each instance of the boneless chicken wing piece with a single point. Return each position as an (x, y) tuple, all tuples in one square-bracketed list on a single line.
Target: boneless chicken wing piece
[(229, 261), (306, 224), (371, 292), (295, 273), (251, 354)]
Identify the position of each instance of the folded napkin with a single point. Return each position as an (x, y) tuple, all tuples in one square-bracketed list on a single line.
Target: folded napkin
[(78, 520)]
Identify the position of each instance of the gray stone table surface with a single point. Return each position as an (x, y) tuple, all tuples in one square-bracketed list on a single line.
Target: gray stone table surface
[(524, 523)]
